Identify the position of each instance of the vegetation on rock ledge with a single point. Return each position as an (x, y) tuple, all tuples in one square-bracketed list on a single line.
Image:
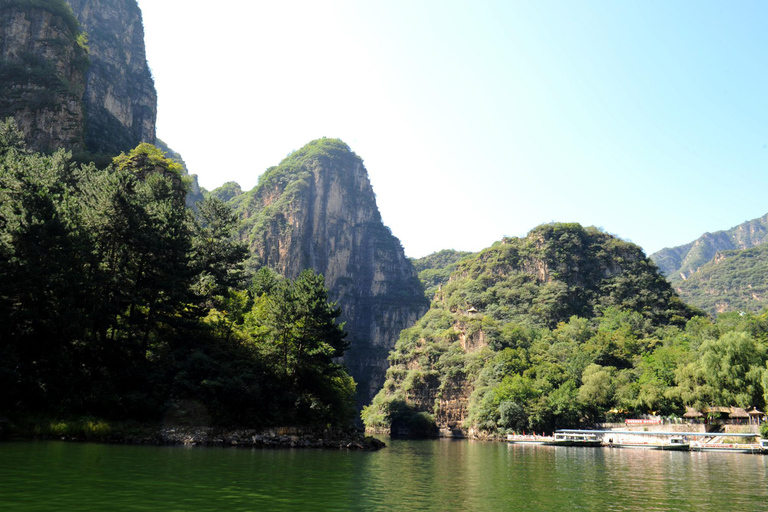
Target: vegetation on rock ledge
[(568, 326)]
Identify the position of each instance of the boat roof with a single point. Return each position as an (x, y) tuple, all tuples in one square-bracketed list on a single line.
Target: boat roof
[(655, 433)]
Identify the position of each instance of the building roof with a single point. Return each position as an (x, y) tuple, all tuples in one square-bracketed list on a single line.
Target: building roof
[(738, 412), (690, 412)]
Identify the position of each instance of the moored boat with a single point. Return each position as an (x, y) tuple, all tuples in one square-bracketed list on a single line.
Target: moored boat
[(676, 444), (531, 440), (575, 439), (726, 448)]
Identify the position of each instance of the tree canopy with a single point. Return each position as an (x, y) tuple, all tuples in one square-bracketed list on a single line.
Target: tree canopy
[(117, 301)]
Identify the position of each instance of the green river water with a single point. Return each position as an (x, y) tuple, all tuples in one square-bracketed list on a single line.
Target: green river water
[(408, 475)]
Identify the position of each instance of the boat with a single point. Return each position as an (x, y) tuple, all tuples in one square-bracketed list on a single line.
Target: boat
[(575, 439), (636, 446), (726, 448), (529, 440), (676, 444)]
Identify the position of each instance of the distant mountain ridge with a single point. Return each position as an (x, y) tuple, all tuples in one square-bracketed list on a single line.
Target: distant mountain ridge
[(435, 269), (732, 281), (679, 263)]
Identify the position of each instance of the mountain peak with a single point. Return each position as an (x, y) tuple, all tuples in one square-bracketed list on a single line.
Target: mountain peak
[(317, 210)]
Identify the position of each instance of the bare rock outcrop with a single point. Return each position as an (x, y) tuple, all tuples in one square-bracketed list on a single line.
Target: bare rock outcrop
[(42, 67), (120, 96), (318, 210)]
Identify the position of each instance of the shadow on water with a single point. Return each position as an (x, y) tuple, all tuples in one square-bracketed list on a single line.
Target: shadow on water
[(409, 475)]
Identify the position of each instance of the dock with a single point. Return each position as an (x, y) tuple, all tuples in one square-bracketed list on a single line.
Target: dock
[(657, 440)]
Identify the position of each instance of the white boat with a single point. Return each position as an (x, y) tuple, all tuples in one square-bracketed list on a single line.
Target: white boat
[(531, 440), (726, 448), (575, 439), (676, 444)]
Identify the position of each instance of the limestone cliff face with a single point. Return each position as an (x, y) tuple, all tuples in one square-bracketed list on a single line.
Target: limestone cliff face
[(120, 96), (318, 210), (42, 74)]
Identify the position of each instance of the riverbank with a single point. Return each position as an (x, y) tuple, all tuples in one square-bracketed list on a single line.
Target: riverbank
[(98, 431)]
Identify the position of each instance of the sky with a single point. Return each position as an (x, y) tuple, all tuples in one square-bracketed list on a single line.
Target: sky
[(482, 119)]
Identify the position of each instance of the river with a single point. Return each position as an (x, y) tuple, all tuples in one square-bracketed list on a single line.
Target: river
[(408, 475)]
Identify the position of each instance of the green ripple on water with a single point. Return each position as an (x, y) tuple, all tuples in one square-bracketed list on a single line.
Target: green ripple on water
[(409, 475)]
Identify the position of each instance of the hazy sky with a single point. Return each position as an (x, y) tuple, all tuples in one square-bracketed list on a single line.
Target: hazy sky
[(480, 119)]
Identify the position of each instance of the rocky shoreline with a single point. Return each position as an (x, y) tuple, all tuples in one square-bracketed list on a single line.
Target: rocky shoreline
[(336, 439)]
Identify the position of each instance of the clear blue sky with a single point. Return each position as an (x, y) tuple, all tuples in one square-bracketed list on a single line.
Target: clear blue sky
[(480, 119)]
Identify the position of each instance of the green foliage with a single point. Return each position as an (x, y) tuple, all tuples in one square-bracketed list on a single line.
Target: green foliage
[(435, 270), (145, 158), (116, 302), (687, 259), (566, 328), (11, 138), (58, 8), (401, 418), (227, 191), (735, 281), (562, 270)]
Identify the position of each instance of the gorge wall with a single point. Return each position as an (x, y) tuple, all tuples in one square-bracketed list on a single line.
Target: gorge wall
[(42, 73), (120, 97), (317, 210), (75, 75)]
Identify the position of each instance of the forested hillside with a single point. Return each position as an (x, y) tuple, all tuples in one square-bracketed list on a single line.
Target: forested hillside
[(566, 327), (732, 281), (435, 270), (722, 271), (117, 302)]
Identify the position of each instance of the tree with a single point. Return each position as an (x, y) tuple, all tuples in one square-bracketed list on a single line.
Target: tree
[(296, 327), (303, 325), (597, 389), (218, 256), (11, 137), (733, 366)]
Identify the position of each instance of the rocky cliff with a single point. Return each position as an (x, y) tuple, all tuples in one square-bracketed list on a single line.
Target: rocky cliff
[(75, 75), (120, 97), (679, 263), (42, 64), (317, 210)]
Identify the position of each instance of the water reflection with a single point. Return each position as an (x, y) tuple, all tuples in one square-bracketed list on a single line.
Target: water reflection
[(409, 475)]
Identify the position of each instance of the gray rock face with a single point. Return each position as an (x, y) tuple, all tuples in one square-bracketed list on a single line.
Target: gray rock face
[(321, 213), (679, 263), (41, 75), (102, 101), (120, 96)]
